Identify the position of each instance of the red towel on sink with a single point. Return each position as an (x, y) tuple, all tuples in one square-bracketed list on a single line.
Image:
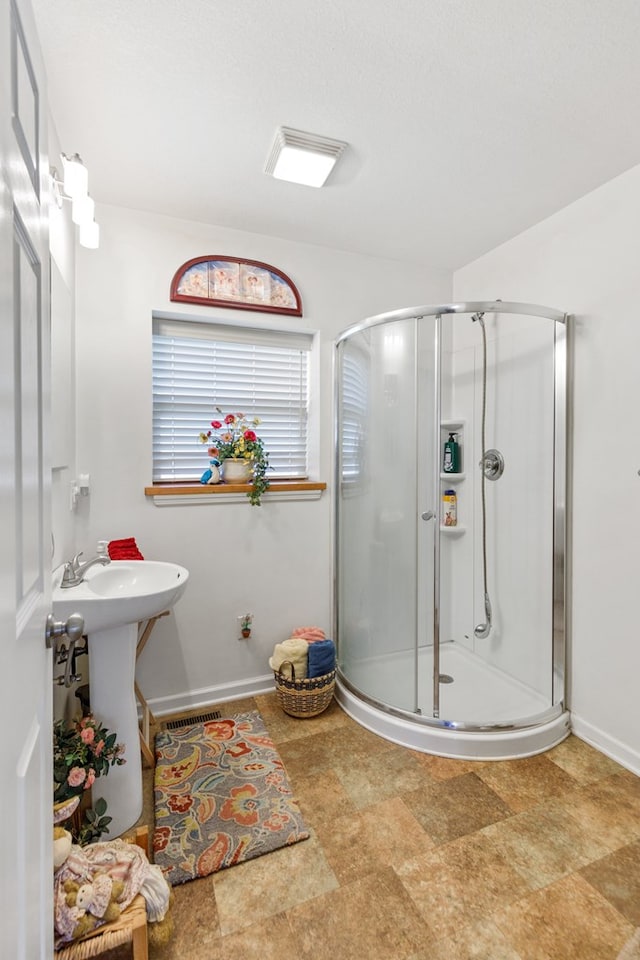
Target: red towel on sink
[(124, 550)]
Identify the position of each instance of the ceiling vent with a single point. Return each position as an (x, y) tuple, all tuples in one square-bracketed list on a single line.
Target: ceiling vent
[(302, 157)]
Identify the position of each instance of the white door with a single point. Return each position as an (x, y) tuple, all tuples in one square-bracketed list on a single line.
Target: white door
[(26, 890)]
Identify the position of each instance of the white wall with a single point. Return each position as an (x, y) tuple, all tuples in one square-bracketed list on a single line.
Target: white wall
[(584, 260), (274, 561)]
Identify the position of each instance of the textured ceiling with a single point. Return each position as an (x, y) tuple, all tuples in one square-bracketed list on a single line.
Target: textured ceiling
[(467, 120)]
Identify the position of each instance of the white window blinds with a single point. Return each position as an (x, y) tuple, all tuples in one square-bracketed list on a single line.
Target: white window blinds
[(354, 389), (259, 372)]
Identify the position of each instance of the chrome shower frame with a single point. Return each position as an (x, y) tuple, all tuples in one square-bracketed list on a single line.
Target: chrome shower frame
[(555, 718)]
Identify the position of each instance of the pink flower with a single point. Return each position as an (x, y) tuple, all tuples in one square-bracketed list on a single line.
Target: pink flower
[(76, 776), (240, 416), (91, 776), (250, 435), (213, 452), (216, 424), (99, 747), (87, 735), (229, 419)]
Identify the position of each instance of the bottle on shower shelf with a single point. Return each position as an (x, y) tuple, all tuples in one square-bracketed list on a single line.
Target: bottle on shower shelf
[(451, 458), (449, 509)]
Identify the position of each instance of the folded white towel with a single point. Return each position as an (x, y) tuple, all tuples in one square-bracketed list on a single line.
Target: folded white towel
[(296, 651)]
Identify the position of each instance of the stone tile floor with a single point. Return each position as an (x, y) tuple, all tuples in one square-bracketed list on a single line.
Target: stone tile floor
[(415, 857)]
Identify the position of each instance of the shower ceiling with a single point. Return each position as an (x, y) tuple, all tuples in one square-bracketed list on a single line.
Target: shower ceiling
[(466, 122)]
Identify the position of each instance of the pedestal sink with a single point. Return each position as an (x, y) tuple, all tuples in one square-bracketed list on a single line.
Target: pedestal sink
[(113, 599)]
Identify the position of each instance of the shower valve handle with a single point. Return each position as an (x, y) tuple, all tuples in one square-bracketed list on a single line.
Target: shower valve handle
[(429, 515)]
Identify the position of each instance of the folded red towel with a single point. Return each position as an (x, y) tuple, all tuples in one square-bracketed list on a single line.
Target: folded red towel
[(124, 549)]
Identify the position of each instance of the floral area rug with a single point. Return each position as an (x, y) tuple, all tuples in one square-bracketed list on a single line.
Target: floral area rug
[(221, 796)]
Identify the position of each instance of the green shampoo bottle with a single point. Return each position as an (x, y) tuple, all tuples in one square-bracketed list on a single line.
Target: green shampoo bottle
[(451, 459)]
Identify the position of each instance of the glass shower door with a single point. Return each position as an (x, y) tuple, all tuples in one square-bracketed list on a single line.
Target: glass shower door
[(384, 609)]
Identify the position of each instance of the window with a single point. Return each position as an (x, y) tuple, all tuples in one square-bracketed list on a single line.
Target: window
[(198, 366)]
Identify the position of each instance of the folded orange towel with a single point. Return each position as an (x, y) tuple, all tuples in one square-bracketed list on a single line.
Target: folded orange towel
[(310, 634)]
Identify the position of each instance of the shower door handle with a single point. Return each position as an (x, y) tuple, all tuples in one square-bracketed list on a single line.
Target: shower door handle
[(429, 515)]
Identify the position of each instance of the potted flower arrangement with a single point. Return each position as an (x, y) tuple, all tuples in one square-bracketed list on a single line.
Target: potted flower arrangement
[(245, 624), (233, 440), (81, 753)]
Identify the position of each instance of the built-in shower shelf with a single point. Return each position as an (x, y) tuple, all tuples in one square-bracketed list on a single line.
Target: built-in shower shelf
[(452, 424), (456, 531), (454, 477)]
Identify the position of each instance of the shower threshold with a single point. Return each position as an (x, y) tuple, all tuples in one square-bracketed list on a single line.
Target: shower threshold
[(518, 721)]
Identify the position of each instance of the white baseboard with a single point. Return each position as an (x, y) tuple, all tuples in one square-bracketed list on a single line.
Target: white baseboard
[(622, 753), (208, 696)]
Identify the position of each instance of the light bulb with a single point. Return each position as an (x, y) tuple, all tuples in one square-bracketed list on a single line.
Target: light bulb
[(89, 235), (76, 177), (83, 210), (303, 166)]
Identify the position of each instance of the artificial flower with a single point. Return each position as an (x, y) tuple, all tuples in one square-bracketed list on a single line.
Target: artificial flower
[(81, 752), (240, 442)]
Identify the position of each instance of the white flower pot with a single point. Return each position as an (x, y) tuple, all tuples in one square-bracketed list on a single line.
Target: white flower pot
[(237, 471)]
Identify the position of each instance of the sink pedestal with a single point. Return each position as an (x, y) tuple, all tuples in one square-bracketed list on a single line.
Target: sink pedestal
[(112, 665)]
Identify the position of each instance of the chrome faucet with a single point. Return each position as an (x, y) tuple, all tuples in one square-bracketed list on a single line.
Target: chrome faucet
[(74, 571)]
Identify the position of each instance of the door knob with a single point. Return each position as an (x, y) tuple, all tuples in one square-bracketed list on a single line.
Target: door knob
[(73, 628)]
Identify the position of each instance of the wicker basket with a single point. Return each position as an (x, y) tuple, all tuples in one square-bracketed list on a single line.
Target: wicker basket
[(303, 698)]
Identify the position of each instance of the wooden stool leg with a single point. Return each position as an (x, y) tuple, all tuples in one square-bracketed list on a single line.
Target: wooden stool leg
[(140, 943), (148, 719)]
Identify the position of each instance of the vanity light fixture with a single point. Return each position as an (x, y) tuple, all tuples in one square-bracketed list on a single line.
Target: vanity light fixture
[(73, 187), (75, 176), (302, 157)]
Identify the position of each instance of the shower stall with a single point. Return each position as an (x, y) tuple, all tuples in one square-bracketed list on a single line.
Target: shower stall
[(451, 630)]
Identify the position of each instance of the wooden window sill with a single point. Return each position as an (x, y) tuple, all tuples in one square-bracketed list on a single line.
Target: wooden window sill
[(181, 494)]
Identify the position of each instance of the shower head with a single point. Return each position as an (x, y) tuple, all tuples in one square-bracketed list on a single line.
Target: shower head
[(483, 630)]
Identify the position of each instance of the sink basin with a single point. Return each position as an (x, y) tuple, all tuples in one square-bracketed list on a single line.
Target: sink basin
[(122, 592)]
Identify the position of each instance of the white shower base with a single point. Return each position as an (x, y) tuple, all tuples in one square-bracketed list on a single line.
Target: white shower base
[(479, 695)]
